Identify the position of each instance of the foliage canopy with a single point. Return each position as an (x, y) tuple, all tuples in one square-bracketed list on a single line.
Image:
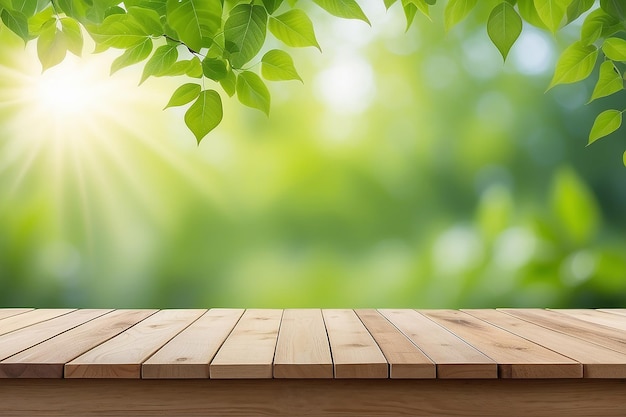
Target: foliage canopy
[(214, 42)]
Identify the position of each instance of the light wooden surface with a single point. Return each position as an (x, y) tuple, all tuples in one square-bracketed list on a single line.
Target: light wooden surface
[(121, 356), (355, 353), (607, 336), (249, 350), (598, 361), (313, 343), (19, 321), (405, 359), (454, 357), (516, 356), (189, 353), (47, 359), (302, 349), (312, 362)]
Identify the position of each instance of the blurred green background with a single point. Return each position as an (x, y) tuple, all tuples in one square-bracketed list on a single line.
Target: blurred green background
[(409, 170)]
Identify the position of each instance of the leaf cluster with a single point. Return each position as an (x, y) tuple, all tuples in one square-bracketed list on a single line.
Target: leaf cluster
[(212, 43)]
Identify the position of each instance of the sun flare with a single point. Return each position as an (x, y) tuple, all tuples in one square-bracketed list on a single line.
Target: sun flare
[(74, 137)]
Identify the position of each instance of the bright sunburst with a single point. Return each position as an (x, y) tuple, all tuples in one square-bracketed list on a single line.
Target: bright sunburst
[(88, 142)]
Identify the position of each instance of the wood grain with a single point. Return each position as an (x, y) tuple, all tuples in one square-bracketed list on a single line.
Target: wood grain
[(29, 318), (598, 361), (308, 398), (453, 356), (618, 311), (302, 350), (598, 317), (516, 356), (404, 358), (19, 340), (47, 359), (595, 333), (249, 350), (8, 312), (188, 354), (355, 353), (122, 356)]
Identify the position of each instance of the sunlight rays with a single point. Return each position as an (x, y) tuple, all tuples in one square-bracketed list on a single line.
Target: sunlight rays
[(94, 148)]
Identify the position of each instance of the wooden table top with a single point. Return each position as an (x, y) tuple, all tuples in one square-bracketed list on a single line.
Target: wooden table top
[(312, 343)]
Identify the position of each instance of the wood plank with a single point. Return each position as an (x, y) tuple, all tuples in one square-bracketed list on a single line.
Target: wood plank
[(302, 350), (606, 319), (19, 340), (598, 361), (29, 318), (249, 350), (122, 356), (8, 312), (619, 311), (47, 359), (595, 333), (355, 353), (311, 397), (453, 357), (516, 357), (404, 358), (189, 353)]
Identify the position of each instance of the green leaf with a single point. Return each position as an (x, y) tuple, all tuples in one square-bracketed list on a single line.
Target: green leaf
[(252, 92), (204, 114), (574, 64), (113, 10), (277, 65), (26, 7), (272, 5), (457, 10), (177, 68), (195, 21), (347, 9), (614, 49), (214, 68), (16, 22), (163, 59), (76, 9), (294, 28), (120, 31), (73, 35), (195, 68), (36, 22), (529, 13), (598, 24), (51, 46), (132, 55), (184, 94), (504, 27), (410, 10), (229, 83), (159, 6), (551, 12), (606, 123), (574, 206), (98, 10), (148, 19), (616, 8), (389, 3), (244, 33), (610, 81), (412, 6), (577, 8), (624, 158)]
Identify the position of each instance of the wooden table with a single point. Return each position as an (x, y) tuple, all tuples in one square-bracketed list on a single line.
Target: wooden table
[(311, 362)]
